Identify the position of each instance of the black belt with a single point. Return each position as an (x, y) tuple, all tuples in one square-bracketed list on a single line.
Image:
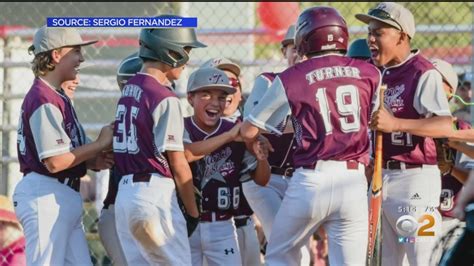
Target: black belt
[(239, 222), (397, 165), (214, 216), (74, 183), (288, 172), (141, 177)]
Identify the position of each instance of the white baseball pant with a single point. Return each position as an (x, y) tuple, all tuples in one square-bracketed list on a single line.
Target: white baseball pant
[(248, 244), (51, 215), (109, 237), (266, 201), (410, 193), (150, 224), (216, 243), (331, 196)]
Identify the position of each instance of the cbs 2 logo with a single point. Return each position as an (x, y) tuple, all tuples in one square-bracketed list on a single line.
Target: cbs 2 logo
[(407, 225)]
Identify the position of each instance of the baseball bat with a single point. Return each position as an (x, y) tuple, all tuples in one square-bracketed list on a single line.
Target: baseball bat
[(375, 203)]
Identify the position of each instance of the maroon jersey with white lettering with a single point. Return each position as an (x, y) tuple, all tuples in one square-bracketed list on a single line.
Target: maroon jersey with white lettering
[(402, 82), (48, 126), (145, 127), (331, 99), (219, 174)]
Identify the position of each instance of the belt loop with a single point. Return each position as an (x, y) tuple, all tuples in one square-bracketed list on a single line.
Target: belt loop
[(213, 215), (403, 166)]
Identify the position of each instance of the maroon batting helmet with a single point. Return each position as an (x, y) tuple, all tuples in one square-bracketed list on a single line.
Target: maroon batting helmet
[(321, 29)]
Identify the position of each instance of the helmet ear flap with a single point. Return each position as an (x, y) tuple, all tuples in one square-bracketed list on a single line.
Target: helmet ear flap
[(129, 66)]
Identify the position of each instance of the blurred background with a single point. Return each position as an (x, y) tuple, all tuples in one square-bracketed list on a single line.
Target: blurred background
[(249, 33)]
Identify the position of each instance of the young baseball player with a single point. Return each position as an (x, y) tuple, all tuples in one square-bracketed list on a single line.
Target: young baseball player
[(246, 234), (266, 201), (328, 187), (54, 154), (127, 69), (454, 166), (148, 151), (415, 97), (219, 173)]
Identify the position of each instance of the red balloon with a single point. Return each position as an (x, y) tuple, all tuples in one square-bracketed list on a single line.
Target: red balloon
[(278, 16)]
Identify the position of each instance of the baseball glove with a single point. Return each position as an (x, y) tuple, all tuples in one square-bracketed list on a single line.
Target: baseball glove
[(191, 222), (444, 156)]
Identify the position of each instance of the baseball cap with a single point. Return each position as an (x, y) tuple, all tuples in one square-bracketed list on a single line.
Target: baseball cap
[(392, 14), (209, 78), (289, 36), (7, 212), (223, 63), (49, 38), (447, 71)]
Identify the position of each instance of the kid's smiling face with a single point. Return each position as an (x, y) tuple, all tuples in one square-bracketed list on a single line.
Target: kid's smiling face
[(208, 105)]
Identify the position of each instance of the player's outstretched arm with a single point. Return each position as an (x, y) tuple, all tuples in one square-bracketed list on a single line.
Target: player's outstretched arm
[(249, 132), (184, 180), (462, 147), (197, 150), (80, 154), (434, 127), (463, 135)]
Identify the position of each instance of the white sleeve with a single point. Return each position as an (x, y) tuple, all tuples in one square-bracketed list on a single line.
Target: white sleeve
[(430, 98), (168, 125), (49, 135), (259, 88), (272, 110)]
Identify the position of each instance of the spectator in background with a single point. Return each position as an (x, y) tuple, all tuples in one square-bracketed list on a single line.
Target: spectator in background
[(12, 240), (461, 110)]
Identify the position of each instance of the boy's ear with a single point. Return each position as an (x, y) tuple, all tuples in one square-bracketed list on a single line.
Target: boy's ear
[(190, 98), (56, 55)]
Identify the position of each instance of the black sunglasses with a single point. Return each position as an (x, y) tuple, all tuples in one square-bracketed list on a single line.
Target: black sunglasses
[(382, 14)]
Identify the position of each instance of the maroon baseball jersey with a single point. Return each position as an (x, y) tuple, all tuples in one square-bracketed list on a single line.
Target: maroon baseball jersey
[(244, 208), (414, 91), (450, 186), (147, 123), (48, 127), (219, 174), (330, 99)]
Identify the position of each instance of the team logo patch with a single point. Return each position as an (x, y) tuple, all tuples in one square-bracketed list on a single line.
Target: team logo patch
[(59, 141), (393, 98)]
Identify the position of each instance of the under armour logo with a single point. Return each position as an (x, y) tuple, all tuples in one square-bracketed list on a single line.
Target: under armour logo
[(125, 181), (227, 251)]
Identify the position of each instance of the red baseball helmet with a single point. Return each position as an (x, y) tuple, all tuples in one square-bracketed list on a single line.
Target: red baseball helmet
[(321, 29)]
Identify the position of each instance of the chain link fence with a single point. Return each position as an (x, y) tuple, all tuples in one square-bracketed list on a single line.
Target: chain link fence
[(241, 31)]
